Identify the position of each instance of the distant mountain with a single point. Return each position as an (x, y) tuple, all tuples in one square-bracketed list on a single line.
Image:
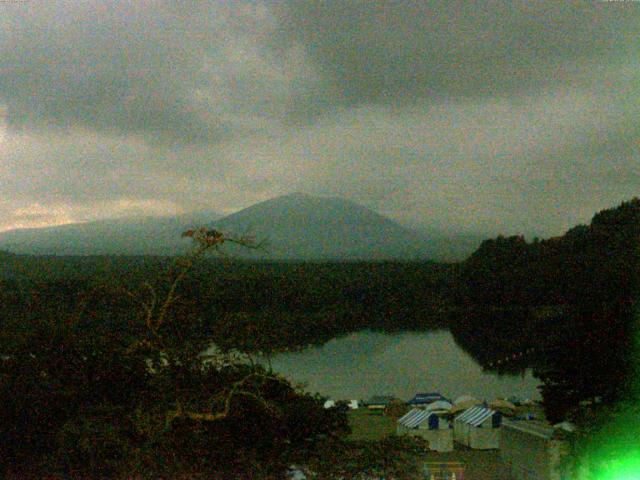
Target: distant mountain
[(125, 236), (294, 227), (305, 227)]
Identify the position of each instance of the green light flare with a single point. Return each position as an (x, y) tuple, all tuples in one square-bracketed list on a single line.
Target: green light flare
[(621, 469), (614, 451)]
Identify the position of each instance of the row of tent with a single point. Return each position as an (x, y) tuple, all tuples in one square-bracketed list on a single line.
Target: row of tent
[(431, 402), (476, 428), (352, 404), (437, 402), (477, 416)]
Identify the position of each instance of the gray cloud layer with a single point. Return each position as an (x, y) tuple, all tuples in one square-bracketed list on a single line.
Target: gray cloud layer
[(391, 52), (499, 116)]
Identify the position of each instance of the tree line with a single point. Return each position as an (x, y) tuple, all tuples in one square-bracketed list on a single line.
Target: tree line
[(570, 302)]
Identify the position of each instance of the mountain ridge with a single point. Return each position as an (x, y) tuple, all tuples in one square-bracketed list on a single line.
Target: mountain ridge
[(307, 227), (139, 235), (296, 226)]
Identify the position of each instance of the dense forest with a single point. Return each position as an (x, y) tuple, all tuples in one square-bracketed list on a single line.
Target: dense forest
[(250, 306), (110, 347), (568, 307), (567, 302)]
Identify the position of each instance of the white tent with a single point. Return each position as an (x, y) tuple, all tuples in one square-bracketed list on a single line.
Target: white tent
[(478, 428), (435, 430), (463, 403), (440, 405), (329, 404), (503, 406), (466, 398), (354, 404)]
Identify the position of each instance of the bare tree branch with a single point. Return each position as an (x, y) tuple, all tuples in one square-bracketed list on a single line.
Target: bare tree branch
[(229, 396)]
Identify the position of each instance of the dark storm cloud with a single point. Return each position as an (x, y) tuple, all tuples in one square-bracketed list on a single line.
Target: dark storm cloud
[(495, 116), (209, 70), (394, 51), (188, 71)]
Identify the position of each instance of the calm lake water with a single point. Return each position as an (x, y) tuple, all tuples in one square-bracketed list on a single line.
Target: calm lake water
[(366, 363)]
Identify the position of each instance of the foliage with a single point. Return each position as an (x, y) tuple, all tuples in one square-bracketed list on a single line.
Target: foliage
[(117, 387), (102, 372), (593, 264), (584, 349), (252, 306), (587, 361)]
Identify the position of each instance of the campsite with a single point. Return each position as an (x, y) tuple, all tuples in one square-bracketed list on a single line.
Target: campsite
[(471, 456)]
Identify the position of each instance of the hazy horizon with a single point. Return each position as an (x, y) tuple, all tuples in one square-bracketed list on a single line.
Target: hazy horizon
[(131, 217)]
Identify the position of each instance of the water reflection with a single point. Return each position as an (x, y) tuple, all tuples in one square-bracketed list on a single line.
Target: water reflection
[(366, 363)]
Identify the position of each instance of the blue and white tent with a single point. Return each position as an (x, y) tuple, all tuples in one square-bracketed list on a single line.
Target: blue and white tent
[(477, 416), (417, 418), (478, 427), (438, 432), (425, 398)]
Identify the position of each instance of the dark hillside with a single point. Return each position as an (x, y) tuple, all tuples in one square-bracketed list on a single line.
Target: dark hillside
[(564, 305)]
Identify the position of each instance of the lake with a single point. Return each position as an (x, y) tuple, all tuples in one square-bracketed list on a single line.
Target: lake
[(366, 363)]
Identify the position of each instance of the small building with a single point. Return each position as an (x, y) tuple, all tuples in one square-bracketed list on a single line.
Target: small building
[(478, 428), (532, 450), (437, 431), (329, 404), (353, 404), (424, 399), (379, 402)]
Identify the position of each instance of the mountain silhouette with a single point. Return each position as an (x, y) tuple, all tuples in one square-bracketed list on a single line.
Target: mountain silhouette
[(293, 227), (304, 227)]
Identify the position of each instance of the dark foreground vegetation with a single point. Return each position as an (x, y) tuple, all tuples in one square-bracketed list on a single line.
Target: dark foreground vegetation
[(103, 377), (102, 373), (113, 385)]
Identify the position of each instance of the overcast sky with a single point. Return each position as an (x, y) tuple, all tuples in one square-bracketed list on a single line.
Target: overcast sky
[(498, 117)]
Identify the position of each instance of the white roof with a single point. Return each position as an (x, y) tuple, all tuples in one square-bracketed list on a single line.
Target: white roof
[(465, 398), (538, 429), (414, 418), (566, 426), (439, 405), (475, 415)]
